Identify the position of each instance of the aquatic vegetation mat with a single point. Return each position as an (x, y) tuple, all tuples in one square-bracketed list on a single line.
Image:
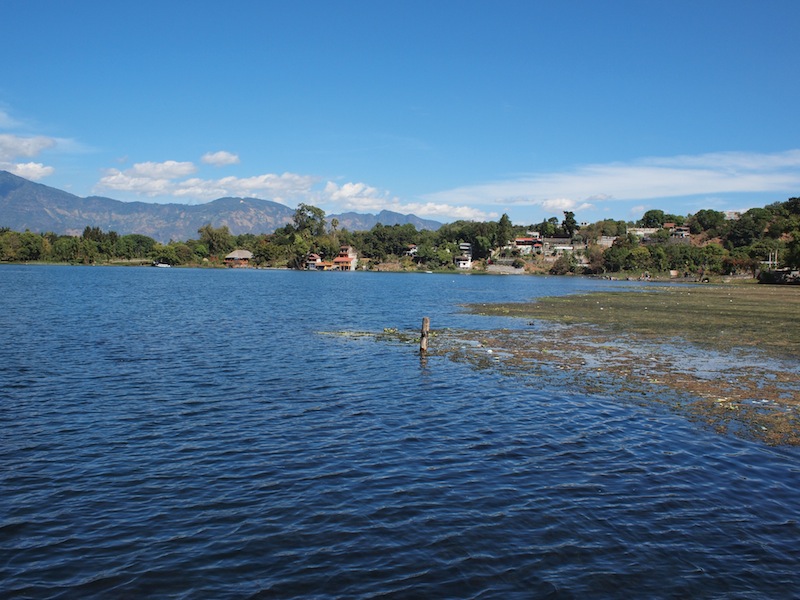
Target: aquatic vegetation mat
[(725, 356), (738, 392)]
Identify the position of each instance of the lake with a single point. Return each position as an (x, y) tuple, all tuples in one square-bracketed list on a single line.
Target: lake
[(192, 433)]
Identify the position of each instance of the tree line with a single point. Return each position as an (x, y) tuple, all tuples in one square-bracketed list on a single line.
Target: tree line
[(717, 245)]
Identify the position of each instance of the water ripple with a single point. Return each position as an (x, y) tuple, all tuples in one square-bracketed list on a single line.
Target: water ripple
[(165, 434)]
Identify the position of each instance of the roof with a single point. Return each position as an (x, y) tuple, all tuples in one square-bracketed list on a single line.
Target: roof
[(239, 255)]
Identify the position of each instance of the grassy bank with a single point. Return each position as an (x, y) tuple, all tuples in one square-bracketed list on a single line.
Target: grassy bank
[(715, 316)]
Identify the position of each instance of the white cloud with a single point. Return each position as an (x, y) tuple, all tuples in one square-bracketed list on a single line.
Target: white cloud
[(169, 178), (33, 171), (356, 196), (128, 182), (360, 197), (200, 189), (220, 159), (147, 178), (584, 188), (647, 178), (169, 169), (279, 188), (6, 121), (14, 146), (286, 184), (558, 204), (730, 160), (444, 211)]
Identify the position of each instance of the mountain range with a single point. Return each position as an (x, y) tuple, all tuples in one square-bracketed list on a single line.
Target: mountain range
[(26, 205)]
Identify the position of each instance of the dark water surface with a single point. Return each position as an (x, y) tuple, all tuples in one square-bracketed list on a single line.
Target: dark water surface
[(190, 434)]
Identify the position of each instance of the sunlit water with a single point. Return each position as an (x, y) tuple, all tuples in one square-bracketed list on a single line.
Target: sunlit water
[(191, 434)]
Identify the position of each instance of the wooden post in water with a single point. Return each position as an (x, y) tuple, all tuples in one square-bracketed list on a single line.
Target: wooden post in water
[(423, 336)]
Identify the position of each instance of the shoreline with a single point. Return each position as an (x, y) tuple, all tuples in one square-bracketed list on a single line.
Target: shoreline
[(501, 271)]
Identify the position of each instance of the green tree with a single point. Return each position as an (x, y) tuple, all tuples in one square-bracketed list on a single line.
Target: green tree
[(183, 253), (267, 251), (615, 257), (652, 218), (679, 220), (706, 220), (792, 256), (66, 249), (660, 237), (761, 249), (105, 244), (31, 246), (712, 256), (481, 247), (748, 228), (165, 254), (134, 245), (638, 259), (309, 221), (569, 224), (564, 264), (547, 228), (219, 241), (9, 244), (594, 254), (426, 254), (658, 258), (246, 241), (504, 231), (199, 249)]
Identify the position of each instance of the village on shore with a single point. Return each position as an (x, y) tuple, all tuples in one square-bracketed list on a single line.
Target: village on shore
[(758, 243)]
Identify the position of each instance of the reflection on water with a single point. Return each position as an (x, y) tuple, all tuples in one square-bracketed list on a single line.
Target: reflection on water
[(189, 433)]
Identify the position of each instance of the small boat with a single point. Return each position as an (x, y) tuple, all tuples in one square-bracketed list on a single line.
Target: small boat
[(162, 265)]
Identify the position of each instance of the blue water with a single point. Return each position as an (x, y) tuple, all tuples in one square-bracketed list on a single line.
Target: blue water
[(190, 434)]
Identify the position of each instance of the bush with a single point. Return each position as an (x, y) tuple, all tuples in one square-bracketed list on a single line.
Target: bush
[(564, 264)]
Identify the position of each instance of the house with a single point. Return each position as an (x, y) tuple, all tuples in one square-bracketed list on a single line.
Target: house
[(463, 261), (313, 262), (556, 246), (527, 245), (680, 232), (239, 258), (347, 259)]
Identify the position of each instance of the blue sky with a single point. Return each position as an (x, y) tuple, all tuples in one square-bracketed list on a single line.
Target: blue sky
[(442, 108)]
